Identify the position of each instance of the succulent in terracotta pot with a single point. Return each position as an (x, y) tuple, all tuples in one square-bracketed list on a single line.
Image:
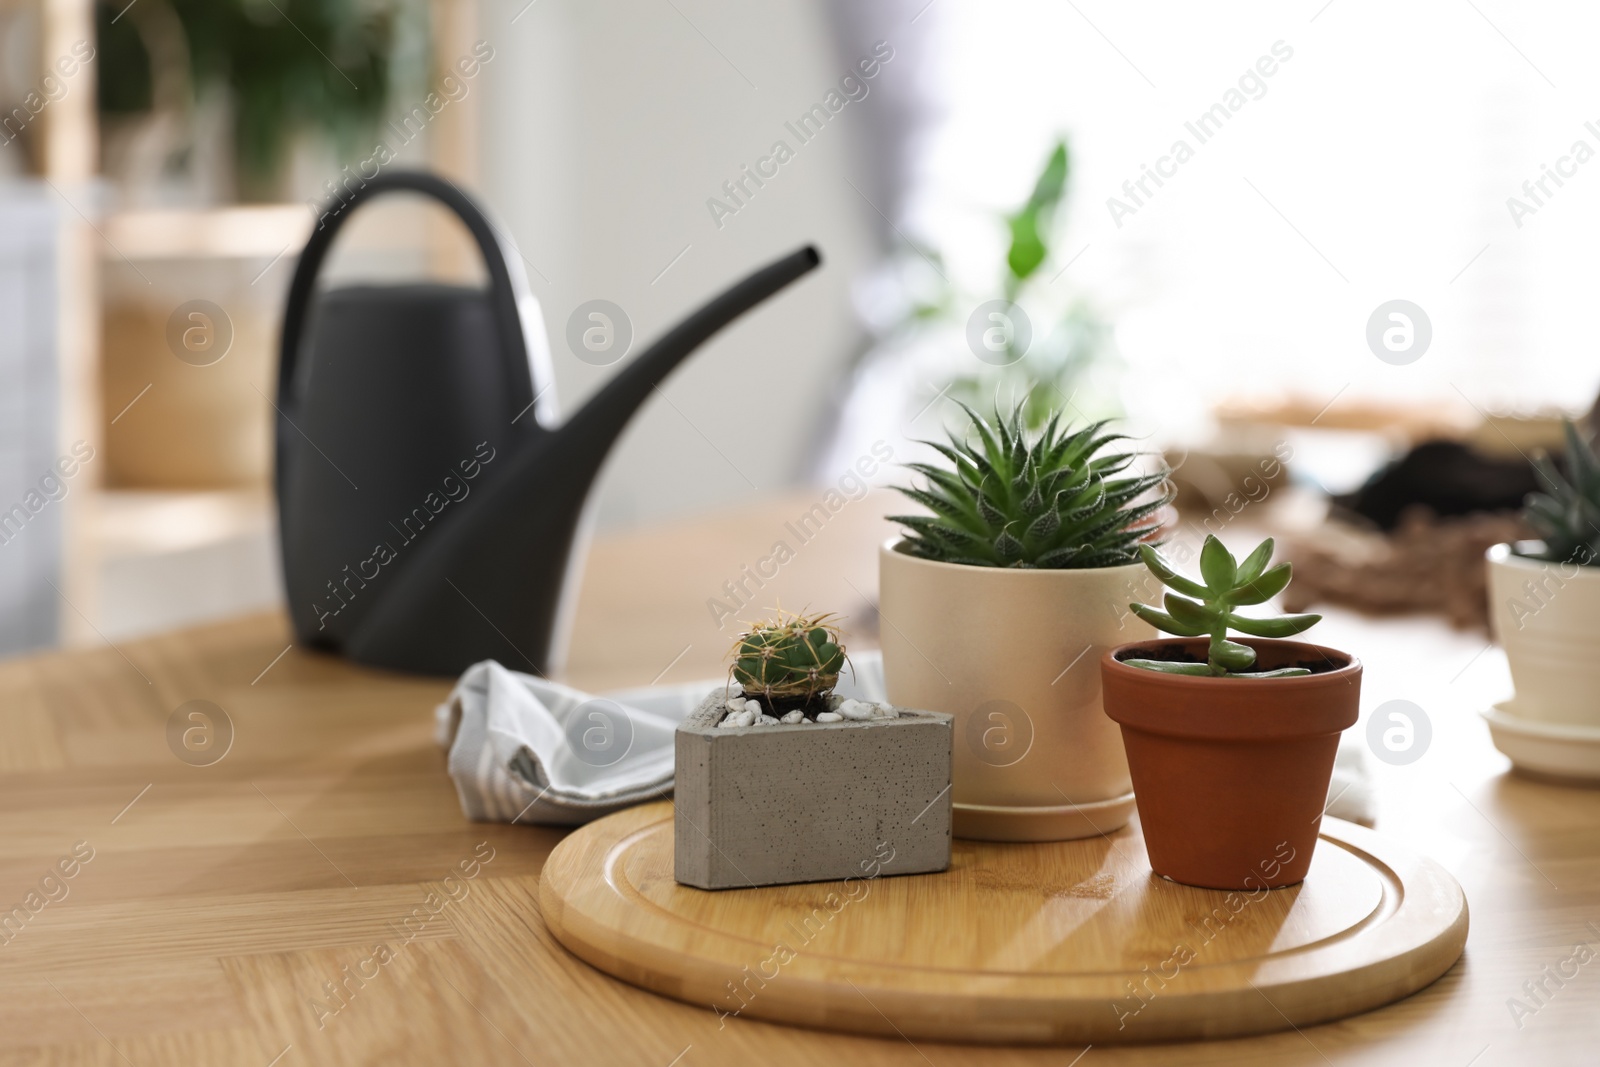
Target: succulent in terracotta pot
[(996, 605), (1230, 742)]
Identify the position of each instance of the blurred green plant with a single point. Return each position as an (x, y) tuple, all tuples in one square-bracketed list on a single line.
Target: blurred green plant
[(288, 66), (1030, 224), (1566, 516), (1227, 584), (1043, 376)]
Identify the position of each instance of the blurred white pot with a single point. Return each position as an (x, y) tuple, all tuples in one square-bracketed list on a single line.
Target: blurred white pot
[(1546, 616)]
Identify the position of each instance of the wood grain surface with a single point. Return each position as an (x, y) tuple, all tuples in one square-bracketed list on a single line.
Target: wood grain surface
[(221, 900), (1059, 942)]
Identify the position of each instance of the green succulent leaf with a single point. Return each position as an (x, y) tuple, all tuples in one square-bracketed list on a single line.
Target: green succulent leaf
[(1169, 577), (1045, 526), (1217, 566), (1195, 616), (939, 504), (1065, 556), (1105, 557), (1580, 457), (1232, 656), (1282, 626), (1255, 563), (1566, 516), (1170, 667), (1164, 622), (1263, 588), (1007, 547)]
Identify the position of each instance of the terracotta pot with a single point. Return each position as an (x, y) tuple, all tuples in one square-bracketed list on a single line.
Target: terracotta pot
[(1231, 774), (1547, 617), (1011, 654)]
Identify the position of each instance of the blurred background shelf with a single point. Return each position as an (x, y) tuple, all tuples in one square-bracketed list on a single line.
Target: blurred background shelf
[(172, 558), (131, 522), (172, 520), (246, 231)]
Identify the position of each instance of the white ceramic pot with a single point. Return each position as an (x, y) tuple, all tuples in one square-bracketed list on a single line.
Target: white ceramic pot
[(1547, 617), (1013, 655)]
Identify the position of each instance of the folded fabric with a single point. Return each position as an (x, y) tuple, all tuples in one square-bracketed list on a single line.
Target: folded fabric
[(1350, 792), (523, 749)]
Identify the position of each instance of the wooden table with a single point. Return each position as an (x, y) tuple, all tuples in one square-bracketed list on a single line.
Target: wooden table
[(224, 903)]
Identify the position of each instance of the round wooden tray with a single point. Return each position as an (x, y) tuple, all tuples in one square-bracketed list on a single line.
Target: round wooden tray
[(1072, 941)]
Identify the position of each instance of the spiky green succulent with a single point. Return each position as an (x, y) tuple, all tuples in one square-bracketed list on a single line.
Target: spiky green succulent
[(1010, 499), (1227, 584), (795, 659), (1567, 515)]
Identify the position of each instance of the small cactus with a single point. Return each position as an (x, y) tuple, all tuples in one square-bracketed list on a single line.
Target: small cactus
[(792, 661)]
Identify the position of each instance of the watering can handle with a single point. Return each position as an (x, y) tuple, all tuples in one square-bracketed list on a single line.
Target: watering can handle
[(508, 288)]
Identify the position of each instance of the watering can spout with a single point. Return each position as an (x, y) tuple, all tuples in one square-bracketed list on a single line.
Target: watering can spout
[(410, 420), (597, 426), (499, 582)]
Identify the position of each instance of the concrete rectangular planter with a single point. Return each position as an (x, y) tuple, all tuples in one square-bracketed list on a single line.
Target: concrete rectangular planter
[(811, 802)]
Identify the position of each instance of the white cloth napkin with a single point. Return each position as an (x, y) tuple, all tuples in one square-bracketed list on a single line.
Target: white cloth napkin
[(523, 749)]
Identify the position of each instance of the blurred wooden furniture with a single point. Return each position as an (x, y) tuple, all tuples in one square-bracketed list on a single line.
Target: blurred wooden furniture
[(225, 905), (98, 237)]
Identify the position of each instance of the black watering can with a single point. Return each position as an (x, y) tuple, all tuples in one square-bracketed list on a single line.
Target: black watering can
[(428, 506)]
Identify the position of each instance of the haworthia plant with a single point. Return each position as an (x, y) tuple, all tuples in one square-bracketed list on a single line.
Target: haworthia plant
[(1567, 514), (1056, 501), (1206, 609)]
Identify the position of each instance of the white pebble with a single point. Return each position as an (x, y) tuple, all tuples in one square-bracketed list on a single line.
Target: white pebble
[(766, 720), (793, 717), (736, 703), (728, 723), (834, 700), (855, 710), (735, 689), (885, 711), (828, 716)]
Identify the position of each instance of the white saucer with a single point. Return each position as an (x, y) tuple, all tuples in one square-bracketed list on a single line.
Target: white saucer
[(1557, 750), (1067, 822)]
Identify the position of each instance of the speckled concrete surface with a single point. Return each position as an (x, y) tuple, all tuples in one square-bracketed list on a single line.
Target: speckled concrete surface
[(768, 805)]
